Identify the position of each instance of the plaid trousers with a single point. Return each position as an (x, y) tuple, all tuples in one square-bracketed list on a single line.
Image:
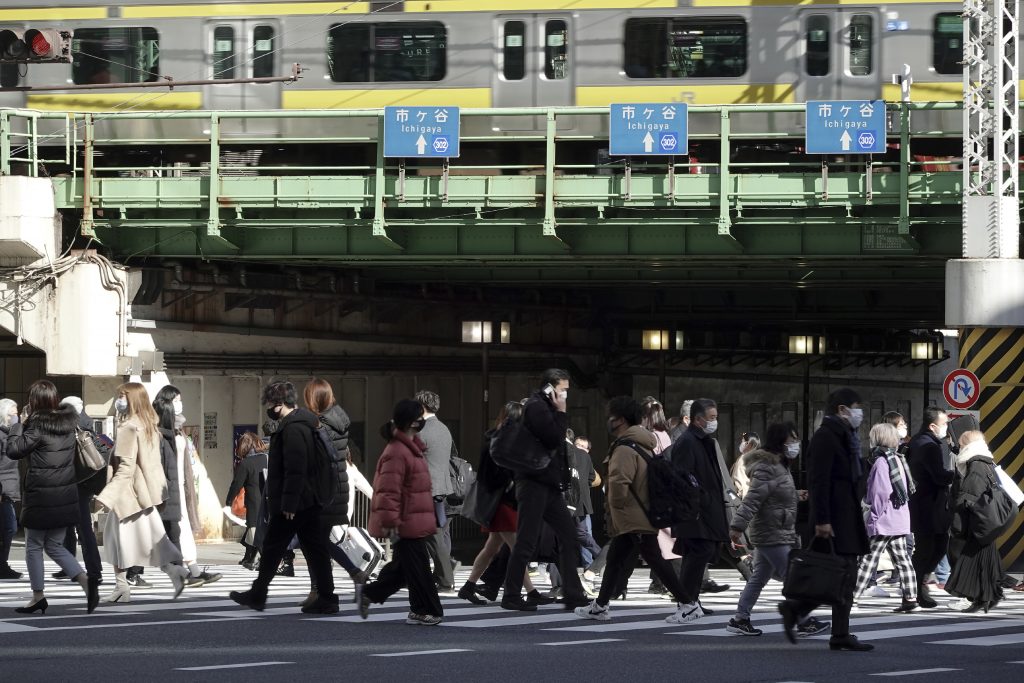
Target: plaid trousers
[(897, 547)]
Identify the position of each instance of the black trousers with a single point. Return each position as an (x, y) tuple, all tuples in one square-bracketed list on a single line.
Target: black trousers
[(841, 612), (408, 568), (85, 534), (313, 535), (696, 552), (173, 530), (538, 503), (621, 559), (928, 552), (439, 546)]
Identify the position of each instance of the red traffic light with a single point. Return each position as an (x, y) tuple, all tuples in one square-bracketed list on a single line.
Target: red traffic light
[(37, 43), (35, 46)]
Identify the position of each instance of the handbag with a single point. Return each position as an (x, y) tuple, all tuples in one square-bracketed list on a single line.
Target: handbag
[(238, 505), (480, 504), (88, 459), (819, 577), (514, 447)]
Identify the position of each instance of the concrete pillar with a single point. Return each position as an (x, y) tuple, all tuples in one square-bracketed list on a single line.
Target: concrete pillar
[(985, 299)]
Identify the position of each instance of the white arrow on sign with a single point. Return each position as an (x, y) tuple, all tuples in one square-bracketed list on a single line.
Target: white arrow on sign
[(648, 142), (845, 139), (421, 145)]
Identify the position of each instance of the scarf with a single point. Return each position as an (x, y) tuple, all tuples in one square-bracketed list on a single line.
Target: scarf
[(975, 449), (902, 487)]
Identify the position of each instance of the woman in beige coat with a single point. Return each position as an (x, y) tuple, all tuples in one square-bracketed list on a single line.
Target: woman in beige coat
[(134, 534), (626, 509)]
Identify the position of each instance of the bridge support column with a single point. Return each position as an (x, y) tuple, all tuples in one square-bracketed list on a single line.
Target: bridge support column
[(985, 300)]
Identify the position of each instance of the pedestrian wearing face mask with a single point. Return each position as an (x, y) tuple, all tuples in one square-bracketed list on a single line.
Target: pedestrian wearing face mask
[(695, 454), (930, 517), (889, 490), (835, 473), (768, 516)]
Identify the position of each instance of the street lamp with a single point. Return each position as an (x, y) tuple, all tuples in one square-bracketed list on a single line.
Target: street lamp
[(807, 345), (482, 332), (927, 347), (661, 341)]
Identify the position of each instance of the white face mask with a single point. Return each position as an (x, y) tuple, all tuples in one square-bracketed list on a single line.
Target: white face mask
[(121, 405), (792, 450), (178, 408), (563, 395), (711, 427), (942, 431), (902, 432), (856, 417)]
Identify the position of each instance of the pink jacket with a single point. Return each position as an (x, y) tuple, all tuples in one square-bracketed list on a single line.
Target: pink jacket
[(401, 490)]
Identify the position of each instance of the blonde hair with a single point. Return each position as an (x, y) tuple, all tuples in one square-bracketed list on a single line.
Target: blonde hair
[(139, 406), (885, 435), (970, 437)]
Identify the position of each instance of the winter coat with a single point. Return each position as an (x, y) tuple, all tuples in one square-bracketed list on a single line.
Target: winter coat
[(47, 440), (627, 482), (171, 510), (929, 506), (290, 464), (696, 453), (980, 473), (139, 482), (883, 518), (833, 487), (247, 477), (336, 422), (768, 509), (10, 481), (548, 425), (438, 443), (402, 497)]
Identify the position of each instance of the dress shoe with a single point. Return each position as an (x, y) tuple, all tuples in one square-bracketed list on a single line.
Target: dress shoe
[(60, 576), (489, 593), (976, 606), (8, 574), (518, 604), (247, 599), (323, 605), (535, 597), (468, 592), (924, 597), (906, 606), (711, 587), (39, 605), (849, 643)]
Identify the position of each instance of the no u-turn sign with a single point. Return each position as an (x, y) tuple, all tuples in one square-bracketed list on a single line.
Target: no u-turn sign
[(961, 389)]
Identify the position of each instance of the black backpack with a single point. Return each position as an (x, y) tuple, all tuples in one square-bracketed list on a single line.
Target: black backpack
[(674, 498), (992, 511), (514, 447), (462, 477), (328, 467)]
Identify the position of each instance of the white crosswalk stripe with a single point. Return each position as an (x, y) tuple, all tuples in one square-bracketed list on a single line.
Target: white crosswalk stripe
[(873, 620)]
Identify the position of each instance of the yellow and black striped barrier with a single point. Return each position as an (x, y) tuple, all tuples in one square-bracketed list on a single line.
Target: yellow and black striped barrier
[(996, 356)]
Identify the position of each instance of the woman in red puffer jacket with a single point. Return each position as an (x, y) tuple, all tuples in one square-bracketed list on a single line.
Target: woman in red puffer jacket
[(403, 509)]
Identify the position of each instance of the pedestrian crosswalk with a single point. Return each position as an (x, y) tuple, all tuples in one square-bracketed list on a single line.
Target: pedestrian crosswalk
[(640, 612)]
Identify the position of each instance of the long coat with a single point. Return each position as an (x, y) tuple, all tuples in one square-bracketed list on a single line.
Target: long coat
[(139, 482), (768, 509), (627, 482), (47, 439), (247, 476), (695, 453), (929, 506), (833, 486), (402, 497), (171, 510)]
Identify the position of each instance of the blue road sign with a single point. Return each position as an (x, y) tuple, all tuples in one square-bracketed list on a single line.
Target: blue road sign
[(652, 128), (845, 127), (421, 132)]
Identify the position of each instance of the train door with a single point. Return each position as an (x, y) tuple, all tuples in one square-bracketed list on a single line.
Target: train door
[(533, 65), (243, 49), (840, 56)]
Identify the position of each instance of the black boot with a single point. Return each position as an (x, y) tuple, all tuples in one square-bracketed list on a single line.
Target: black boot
[(924, 597)]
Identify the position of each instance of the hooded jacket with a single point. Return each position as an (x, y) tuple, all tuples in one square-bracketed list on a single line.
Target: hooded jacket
[(336, 422), (290, 465), (401, 490), (768, 509), (627, 496), (47, 440), (139, 482)]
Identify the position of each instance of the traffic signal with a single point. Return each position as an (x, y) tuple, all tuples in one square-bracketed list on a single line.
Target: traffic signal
[(34, 46)]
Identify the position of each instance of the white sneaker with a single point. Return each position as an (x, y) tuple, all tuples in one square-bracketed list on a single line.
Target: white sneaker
[(685, 613), (589, 576), (594, 611), (877, 592), (961, 604)]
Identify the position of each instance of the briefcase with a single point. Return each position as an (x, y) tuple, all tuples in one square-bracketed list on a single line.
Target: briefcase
[(816, 576)]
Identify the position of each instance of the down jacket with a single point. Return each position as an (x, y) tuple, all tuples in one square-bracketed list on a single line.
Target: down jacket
[(10, 484), (336, 422), (768, 510), (401, 490), (171, 511), (47, 439), (627, 482), (139, 482)]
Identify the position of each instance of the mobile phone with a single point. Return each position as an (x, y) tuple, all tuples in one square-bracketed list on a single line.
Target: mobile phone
[(549, 391)]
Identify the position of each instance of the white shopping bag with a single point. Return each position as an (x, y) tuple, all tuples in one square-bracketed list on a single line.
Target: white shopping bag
[(1010, 486)]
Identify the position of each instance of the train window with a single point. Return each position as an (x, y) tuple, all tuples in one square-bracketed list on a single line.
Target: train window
[(223, 52), (861, 44), (556, 50), (513, 52), (948, 43), (816, 45), (393, 51), (263, 51), (115, 55), (686, 48)]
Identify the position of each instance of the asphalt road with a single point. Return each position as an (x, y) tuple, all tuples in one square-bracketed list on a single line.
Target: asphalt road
[(204, 636)]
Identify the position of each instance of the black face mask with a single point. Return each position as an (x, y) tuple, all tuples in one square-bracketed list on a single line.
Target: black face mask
[(418, 424), (272, 413), (612, 426)]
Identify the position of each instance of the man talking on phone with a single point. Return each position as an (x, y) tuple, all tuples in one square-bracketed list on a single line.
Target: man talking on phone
[(539, 497)]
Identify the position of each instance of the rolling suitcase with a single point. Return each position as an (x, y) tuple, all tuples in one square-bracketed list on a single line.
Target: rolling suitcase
[(363, 549)]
